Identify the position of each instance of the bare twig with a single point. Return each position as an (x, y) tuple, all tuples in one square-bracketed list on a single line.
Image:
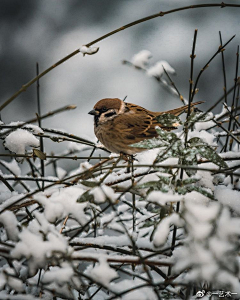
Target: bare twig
[(224, 70), (233, 101), (221, 48), (160, 14), (7, 184), (52, 156), (49, 114), (40, 125)]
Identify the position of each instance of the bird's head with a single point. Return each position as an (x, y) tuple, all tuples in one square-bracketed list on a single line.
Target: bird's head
[(107, 109)]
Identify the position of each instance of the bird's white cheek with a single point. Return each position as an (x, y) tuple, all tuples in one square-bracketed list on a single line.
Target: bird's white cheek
[(104, 119)]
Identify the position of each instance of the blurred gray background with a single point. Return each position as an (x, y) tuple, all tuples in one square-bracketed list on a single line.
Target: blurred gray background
[(45, 31)]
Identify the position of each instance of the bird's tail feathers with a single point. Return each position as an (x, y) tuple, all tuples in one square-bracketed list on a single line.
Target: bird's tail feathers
[(180, 110)]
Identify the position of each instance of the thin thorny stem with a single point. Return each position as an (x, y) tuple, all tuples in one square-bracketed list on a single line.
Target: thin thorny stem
[(224, 69)]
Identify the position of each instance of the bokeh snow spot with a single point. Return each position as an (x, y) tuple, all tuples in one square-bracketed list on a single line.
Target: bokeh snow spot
[(141, 59)]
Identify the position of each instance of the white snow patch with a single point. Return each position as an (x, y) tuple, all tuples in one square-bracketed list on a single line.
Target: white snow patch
[(206, 179), (88, 50), (220, 247), (162, 198), (163, 228), (230, 154), (36, 247), (146, 157), (204, 125), (228, 197), (102, 273), (102, 193), (18, 140), (228, 279), (59, 275), (9, 221), (201, 212), (228, 227), (63, 202)]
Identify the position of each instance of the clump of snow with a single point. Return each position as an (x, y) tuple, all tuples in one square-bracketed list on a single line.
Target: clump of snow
[(10, 223), (158, 69), (88, 50), (195, 197), (227, 279), (12, 281), (37, 244), (162, 198), (228, 197), (223, 112), (204, 125), (18, 140), (206, 179), (202, 213), (200, 217), (163, 228), (102, 273), (210, 249), (102, 193), (63, 202), (146, 157), (141, 59), (60, 275), (228, 227)]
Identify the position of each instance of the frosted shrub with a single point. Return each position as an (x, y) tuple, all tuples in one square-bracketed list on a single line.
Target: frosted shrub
[(163, 224)]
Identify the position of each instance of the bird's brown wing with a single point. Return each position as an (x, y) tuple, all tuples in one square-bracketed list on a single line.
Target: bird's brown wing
[(148, 117), (138, 123), (137, 127)]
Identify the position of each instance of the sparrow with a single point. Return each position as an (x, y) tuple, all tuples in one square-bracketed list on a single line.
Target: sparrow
[(118, 124)]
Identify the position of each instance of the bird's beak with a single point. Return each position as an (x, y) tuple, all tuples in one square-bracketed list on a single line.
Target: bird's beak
[(93, 112)]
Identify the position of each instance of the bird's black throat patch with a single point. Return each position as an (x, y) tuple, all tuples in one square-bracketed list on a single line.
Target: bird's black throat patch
[(96, 119)]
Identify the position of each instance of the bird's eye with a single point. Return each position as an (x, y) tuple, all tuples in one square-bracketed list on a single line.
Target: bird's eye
[(104, 109)]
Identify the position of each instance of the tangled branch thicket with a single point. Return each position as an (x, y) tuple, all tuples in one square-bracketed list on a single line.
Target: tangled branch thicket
[(163, 226)]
